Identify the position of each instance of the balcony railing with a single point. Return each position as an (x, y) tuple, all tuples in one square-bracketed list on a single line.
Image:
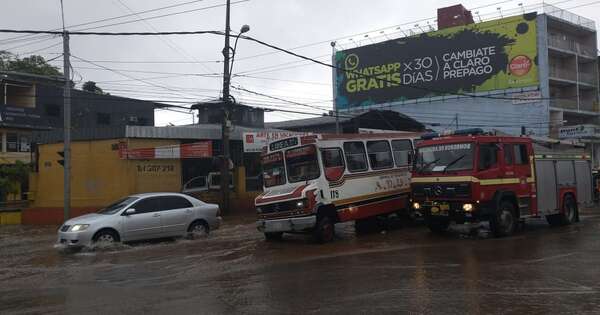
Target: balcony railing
[(588, 78), (569, 17), (570, 45), (564, 103), (562, 73)]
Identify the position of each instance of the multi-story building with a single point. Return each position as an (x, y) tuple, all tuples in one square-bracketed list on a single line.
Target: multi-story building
[(533, 72), (30, 104)]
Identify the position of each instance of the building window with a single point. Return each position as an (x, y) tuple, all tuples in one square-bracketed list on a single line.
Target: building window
[(12, 142), (103, 118), (24, 143), (52, 110)]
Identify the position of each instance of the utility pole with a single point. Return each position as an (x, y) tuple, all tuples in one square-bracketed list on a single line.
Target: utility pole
[(67, 126), (226, 116)]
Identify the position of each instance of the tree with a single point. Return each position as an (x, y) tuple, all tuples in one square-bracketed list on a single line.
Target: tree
[(91, 86), (33, 64)]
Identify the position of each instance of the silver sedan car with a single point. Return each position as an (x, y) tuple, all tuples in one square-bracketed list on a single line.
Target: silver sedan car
[(142, 217)]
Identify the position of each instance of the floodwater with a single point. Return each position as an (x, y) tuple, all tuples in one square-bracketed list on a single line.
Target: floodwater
[(541, 270)]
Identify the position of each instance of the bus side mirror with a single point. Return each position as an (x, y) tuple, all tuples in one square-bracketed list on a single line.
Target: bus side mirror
[(334, 173)]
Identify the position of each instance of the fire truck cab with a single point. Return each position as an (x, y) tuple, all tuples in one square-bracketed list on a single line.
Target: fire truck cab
[(470, 176), (313, 182)]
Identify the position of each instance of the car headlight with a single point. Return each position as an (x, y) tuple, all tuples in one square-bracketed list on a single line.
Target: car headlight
[(468, 207), (416, 206), (79, 227), (258, 209)]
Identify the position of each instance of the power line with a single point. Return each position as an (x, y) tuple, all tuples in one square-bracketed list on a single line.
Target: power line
[(164, 39), (115, 18)]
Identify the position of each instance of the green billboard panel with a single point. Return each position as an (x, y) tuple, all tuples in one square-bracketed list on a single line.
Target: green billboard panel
[(487, 56)]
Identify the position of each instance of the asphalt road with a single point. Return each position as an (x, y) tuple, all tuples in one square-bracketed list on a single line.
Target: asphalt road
[(541, 270)]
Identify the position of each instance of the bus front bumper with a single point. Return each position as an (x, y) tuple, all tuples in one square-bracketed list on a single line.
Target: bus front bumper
[(287, 225)]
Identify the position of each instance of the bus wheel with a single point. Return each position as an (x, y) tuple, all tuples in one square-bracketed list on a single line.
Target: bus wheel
[(504, 222), (325, 230), (437, 225)]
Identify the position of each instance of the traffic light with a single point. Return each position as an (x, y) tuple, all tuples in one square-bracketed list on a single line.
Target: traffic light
[(62, 155)]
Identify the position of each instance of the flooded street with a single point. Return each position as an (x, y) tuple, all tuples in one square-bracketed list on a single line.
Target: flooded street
[(541, 270)]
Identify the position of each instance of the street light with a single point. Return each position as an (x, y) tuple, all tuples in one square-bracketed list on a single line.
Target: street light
[(245, 28)]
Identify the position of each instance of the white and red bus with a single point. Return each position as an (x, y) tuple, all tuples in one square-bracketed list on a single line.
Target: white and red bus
[(313, 182)]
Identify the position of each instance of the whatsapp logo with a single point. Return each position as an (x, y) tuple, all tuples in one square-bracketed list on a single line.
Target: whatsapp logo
[(351, 62)]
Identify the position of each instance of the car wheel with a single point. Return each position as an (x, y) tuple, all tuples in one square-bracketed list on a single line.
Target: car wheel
[(273, 236), (504, 222), (105, 238), (325, 230), (198, 229)]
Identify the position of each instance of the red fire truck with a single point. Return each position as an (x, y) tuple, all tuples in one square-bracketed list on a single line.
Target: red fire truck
[(312, 182), (470, 176)]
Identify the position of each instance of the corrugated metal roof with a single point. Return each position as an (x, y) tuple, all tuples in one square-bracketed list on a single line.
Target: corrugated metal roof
[(204, 131), (306, 122)]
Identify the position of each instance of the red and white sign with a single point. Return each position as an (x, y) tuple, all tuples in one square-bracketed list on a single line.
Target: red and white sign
[(202, 149), (520, 65), (257, 141)]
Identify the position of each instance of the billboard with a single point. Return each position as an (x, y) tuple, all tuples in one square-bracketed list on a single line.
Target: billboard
[(257, 141), (492, 55)]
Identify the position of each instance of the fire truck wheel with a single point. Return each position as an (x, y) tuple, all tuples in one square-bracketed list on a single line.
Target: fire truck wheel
[(505, 222), (273, 236), (570, 211), (437, 225), (325, 230), (568, 216)]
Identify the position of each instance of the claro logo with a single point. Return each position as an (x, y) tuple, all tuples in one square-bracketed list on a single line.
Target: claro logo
[(520, 65)]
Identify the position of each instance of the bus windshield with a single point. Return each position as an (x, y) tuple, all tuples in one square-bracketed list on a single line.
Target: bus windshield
[(445, 157), (273, 169), (302, 164)]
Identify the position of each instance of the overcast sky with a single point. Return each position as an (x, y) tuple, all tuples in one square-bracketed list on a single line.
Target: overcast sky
[(186, 69)]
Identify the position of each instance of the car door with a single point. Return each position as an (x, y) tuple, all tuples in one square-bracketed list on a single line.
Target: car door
[(145, 223), (175, 215)]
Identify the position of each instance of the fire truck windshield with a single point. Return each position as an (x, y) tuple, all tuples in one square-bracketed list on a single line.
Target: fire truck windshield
[(273, 169), (302, 163), (445, 157)]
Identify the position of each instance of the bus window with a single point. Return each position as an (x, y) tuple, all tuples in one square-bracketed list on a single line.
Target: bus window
[(273, 170), (380, 155), (402, 152), (333, 162), (355, 156)]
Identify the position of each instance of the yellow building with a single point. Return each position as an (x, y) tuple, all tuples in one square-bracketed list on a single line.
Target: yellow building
[(147, 159)]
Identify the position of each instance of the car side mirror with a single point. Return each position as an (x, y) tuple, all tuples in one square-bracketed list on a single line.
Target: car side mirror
[(130, 211)]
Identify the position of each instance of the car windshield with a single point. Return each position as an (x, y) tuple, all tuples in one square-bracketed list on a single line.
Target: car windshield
[(302, 163), (445, 157), (118, 206), (273, 169)]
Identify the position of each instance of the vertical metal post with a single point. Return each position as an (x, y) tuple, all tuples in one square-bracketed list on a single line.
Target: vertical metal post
[(67, 127), (333, 74), (577, 78), (456, 121), (226, 117)]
